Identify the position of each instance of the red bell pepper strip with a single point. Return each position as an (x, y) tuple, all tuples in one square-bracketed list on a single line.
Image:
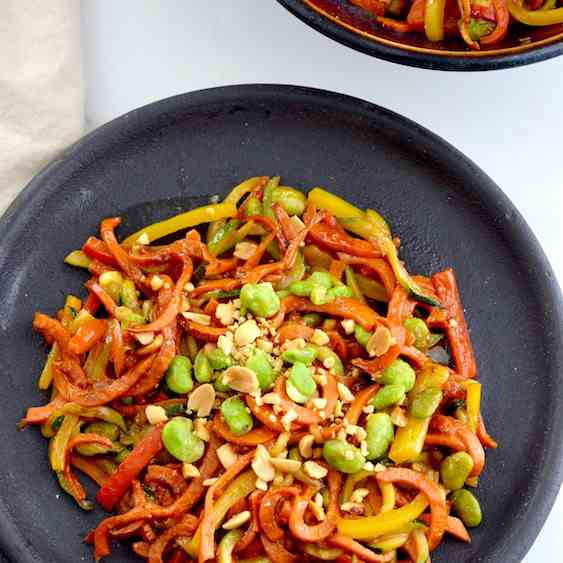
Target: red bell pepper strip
[(97, 250), (334, 240), (455, 325), (502, 19), (87, 336), (133, 464), (92, 303)]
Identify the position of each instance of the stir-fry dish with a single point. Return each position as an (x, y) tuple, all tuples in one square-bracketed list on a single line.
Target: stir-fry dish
[(271, 386), (481, 23)]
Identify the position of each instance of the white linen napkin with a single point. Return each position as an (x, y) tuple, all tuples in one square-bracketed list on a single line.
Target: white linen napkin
[(41, 87)]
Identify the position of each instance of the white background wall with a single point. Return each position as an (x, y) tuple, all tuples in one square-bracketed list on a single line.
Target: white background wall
[(509, 122)]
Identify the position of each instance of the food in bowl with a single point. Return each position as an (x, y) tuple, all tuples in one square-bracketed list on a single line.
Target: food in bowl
[(272, 383)]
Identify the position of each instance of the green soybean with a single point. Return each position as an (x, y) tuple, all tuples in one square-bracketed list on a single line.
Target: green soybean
[(323, 279), (426, 402), (467, 507), (219, 385), (301, 288), (259, 363), (362, 335), (202, 368), (292, 200), (319, 295), (324, 353), (387, 396), (419, 330), (339, 291), (218, 359), (125, 315), (181, 442), (312, 319), (260, 299), (455, 469), (236, 416), (399, 373), (179, 375), (305, 355), (300, 378), (380, 434), (344, 457)]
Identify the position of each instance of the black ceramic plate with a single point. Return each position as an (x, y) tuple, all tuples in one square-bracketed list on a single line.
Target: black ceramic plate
[(352, 26), (173, 154)]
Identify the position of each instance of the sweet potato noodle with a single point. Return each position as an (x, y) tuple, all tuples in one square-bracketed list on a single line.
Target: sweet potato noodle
[(271, 386)]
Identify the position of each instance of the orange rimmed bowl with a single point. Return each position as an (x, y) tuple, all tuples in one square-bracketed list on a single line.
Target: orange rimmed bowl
[(342, 21)]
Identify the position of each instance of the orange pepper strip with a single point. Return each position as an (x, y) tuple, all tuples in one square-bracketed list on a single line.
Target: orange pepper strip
[(52, 330), (220, 266), (356, 548), (254, 527), (436, 498), (262, 271), (320, 532), (354, 412), (254, 260), (105, 299), (253, 438), (454, 527), (215, 285), (265, 415), (39, 415), (168, 476), (131, 466), (416, 357), (287, 228), (208, 525), (268, 512), (378, 265), (445, 440), (337, 241), (484, 437), (107, 228), (337, 268), (100, 392), (87, 336), (400, 306), (276, 551), (449, 425), (173, 307), (292, 330), (203, 332), (186, 527), (458, 335), (345, 307), (117, 348), (90, 468)]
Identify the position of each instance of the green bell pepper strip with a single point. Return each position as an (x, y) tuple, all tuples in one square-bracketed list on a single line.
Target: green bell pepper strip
[(232, 238), (372, 288), (227, 546), (267, 201), (182, 221), (352, 283), (65, 486), (102, 413), (240, 488), (223, 232), (295, 274), (78, 258)]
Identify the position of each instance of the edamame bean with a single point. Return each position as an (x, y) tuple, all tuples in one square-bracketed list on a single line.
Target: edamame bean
[(467, 507), (259, 363), (380, 434), (236, 416), (329, 358), (312, 319), (292, 200), (387, 396), (339, 291), (426, 402), (301, 288), (300, 379), (323, 279), (260, 299), (455, 469), (399, 373), (125, 315), (362, 335), (202, 368), (419, 330), (181, 442), (305, 355), (220, 385), (344, 457), (253, 207), (218, 359), (319, 295), (179, 375)]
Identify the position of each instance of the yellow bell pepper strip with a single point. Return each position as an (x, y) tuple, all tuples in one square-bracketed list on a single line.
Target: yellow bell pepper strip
[(182, 221), (421, 545), (240, 488), (383, 523), (376, 218), (79, 259), (97, 360), (434, 19), (535, 17), (409, 440), (473, 403), (371, 288), (389, 543), (58, 444), (431, 375), (388, 497), (322, 553), (106, 414), (351, 481)]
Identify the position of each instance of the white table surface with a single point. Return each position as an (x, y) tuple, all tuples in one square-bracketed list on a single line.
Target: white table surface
[(509, 122)]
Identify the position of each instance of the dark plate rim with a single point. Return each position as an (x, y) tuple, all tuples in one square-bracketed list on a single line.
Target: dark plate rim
[(417, 59), (47, 181)]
